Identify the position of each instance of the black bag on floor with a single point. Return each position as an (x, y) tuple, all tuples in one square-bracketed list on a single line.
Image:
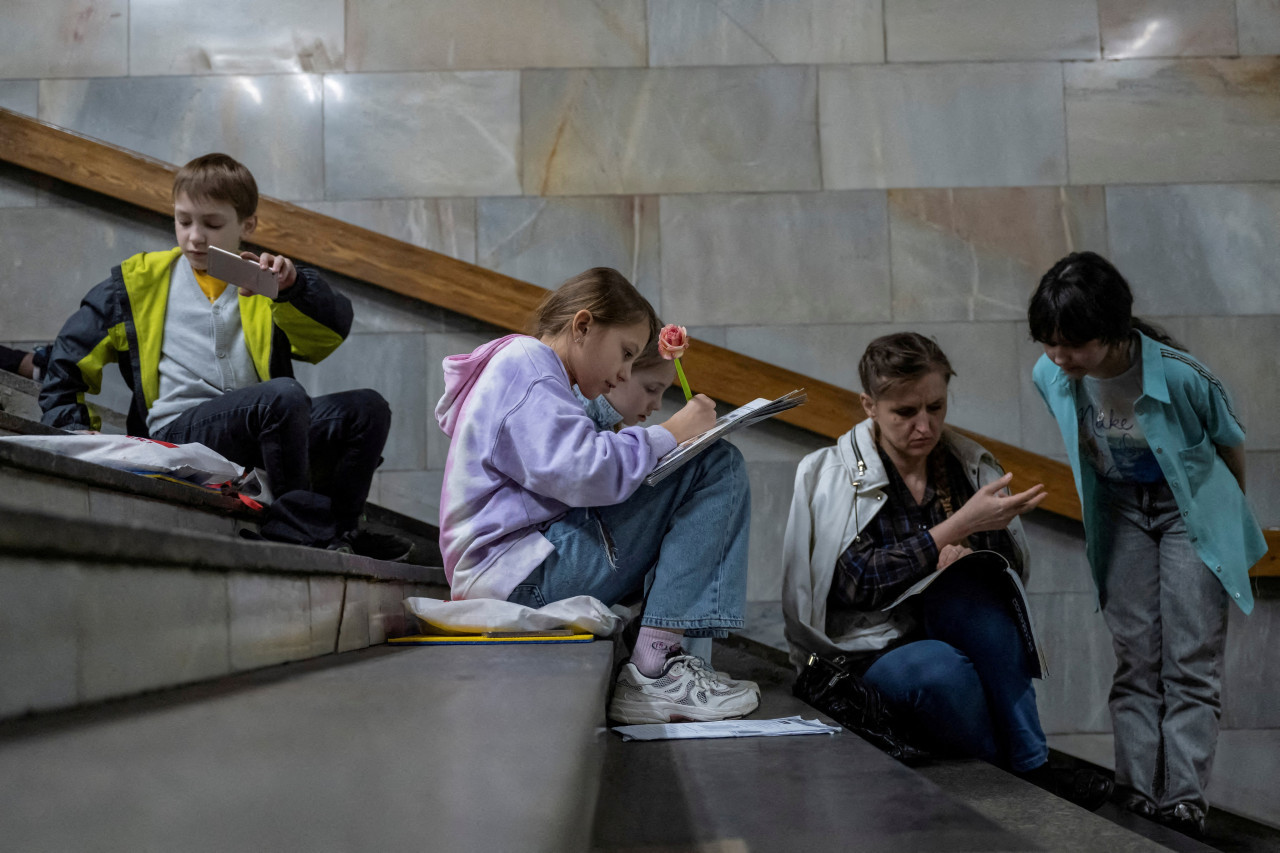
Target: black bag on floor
[(828, 685)]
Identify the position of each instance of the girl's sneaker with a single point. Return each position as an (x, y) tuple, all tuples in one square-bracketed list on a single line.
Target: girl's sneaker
[(686, 690), (726, 679)]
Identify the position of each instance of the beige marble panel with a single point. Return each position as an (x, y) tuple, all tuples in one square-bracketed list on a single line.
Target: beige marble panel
[(771, 488), (38, 635), (626, 131), (1140, 28), (1081, 662), (235, 37), (764, 32), (547, 240), (775, 258), (426, 134), (270, 123), (140, 629), (1197, 249), (51, 256), (946, 125), (984, 395), (940, 30), (19, 187), (392, 35), (1249, 688), (1259, 24), (414, 493), (1058, 561), (976, 254), (1262, 479), (1173, 121), (387, 616), (64, 38), (393, 365), (1243, 352), (445, 225), (270, 618)]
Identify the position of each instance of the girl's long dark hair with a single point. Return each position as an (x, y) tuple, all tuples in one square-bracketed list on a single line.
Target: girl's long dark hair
[(1083, 297)]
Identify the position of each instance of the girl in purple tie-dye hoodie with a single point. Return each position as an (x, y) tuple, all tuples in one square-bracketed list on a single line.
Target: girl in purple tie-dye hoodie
[(538, 506)]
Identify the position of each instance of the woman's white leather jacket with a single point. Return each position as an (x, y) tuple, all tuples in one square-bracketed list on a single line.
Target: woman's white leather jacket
[(838, 491)]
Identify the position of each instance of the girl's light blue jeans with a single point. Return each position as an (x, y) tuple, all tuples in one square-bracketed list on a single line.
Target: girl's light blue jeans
[(690, 529), (1168, 619)]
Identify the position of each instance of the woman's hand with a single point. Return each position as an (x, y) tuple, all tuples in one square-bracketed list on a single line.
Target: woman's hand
[(988, 509), (697, 416), (950, 553)]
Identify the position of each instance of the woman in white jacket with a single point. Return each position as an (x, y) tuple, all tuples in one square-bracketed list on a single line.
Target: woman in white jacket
[(899, 497)]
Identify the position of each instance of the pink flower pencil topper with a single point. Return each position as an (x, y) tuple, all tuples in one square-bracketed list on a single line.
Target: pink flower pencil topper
[(673, 340)]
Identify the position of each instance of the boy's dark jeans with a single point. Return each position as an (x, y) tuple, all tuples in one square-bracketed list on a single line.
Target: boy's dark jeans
[(330, 444)]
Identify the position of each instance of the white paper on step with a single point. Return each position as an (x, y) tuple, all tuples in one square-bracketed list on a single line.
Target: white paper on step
[(726, 728)]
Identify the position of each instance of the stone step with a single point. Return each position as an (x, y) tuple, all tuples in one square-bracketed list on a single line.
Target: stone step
[(32, 478), (826, 793), (93, 610), (450, 748)]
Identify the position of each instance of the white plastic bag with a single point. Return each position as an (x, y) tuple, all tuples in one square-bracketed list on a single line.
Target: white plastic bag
[(582, 613), (193, 463)]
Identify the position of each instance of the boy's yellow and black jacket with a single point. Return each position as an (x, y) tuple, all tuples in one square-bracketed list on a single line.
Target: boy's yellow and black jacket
[(122, 320)]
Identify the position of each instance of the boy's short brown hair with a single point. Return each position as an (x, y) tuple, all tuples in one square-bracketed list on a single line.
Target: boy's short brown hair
[(217, 177)]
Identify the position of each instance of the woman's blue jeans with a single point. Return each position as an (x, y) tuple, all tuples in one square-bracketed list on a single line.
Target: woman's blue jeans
[(966, 689), (690, 529)]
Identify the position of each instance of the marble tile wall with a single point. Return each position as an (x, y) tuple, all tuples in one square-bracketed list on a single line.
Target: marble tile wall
[(939, 125), (236, 37), (764, 32), (1144, 28), (991, 30), (791, 177)]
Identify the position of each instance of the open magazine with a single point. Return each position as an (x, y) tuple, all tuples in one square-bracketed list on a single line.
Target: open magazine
[(757, 410), (991, 567)]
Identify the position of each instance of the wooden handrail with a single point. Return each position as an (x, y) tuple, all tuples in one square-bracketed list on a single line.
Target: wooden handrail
[(471, 290)]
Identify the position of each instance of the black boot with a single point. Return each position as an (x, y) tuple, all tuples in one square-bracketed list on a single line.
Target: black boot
[(1187, 818), (1086, 788)]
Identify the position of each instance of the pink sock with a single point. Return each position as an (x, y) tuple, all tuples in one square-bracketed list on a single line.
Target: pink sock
[(652, 647)]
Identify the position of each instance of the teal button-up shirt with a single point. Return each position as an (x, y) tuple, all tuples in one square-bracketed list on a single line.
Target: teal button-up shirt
[(1185, 413)]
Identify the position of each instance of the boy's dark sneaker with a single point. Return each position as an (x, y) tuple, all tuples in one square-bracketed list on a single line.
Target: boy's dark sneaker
[(379, 546), (1187, 818), (1131, 801)]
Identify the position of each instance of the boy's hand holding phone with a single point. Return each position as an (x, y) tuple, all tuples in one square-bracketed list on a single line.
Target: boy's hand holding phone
[(278, 265)]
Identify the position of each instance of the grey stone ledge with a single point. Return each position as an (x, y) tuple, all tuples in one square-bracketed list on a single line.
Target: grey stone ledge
[(53, 536)]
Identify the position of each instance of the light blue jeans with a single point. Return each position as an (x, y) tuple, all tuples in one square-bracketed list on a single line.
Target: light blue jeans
[(1168, 619), (690, 529)]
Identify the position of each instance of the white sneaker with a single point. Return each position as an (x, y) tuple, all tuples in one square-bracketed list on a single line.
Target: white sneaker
[(685, 690), (726, 679)]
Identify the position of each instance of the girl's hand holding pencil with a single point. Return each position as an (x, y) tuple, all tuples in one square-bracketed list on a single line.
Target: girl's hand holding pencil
[(697, 416)]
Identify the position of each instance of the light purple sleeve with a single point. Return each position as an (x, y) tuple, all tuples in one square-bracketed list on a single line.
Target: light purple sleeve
[(549, 445)]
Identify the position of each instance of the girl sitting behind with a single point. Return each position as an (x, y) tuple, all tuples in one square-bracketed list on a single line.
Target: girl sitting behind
[(899, 497), (1158, 458), (633, 401), (538, 506)]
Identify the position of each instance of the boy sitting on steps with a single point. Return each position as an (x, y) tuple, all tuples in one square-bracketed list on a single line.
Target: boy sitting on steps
[(211, 363)]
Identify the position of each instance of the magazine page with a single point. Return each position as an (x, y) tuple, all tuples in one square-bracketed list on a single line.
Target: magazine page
[(757, 410), (997, 566)]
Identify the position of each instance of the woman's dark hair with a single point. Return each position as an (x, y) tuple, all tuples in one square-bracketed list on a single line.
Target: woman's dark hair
[(901, 357), (605, 292), (1083, 297)]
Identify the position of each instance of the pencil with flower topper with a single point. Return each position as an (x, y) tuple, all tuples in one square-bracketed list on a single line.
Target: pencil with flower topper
[(673, 340)]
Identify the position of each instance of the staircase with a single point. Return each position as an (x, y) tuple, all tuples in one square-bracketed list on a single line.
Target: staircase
[(166, 684)]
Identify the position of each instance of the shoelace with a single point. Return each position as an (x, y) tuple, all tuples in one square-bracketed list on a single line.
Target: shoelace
[(703, 674)]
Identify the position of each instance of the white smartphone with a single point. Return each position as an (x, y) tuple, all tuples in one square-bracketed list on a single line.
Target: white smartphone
[(234, 269)]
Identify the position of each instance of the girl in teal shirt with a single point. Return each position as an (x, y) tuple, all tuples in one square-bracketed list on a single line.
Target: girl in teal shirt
[(1158, 458)]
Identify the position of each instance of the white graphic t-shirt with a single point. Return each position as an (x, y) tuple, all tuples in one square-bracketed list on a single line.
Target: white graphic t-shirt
[(1110, 437)]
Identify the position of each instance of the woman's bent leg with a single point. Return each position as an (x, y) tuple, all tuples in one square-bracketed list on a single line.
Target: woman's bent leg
[(975, 618), (935, 687)]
